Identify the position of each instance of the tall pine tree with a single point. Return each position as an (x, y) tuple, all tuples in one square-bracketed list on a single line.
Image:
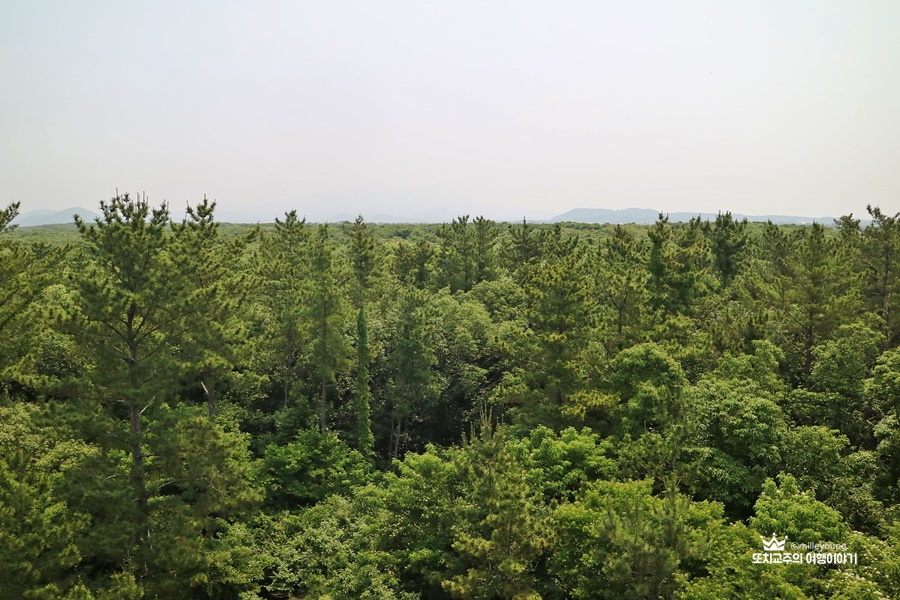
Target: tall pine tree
[(362, 254)]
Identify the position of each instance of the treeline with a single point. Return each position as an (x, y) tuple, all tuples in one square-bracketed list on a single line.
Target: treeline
[(473, 410)]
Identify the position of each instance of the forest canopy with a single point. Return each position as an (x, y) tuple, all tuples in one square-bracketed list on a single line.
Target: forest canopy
[(472, 410)]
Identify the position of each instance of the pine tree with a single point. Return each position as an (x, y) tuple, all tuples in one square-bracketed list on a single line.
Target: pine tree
[(813, 298), (486, 234), (362, 251), (7, 215), (132, 313), (500, 531), (727, 240), (456, 255), (621, 282), (25, 272), (135, 314), (285, 271), (679, 267), (217, 289), (324, 318), (523, 250), (365, 441), (412, 262), (559, 319), (411, 383), (880, 253)]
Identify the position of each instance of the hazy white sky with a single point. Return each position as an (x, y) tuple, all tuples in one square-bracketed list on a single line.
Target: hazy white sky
[(496, 108)]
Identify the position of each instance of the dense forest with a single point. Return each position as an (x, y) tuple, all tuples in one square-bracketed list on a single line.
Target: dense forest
[(473, 410)]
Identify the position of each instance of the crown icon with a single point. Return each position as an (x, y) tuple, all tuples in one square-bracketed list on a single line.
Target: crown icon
[(773, 545)]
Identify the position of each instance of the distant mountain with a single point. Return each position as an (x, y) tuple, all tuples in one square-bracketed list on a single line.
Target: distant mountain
[(646, 216), (437, 215), (440, 215), (43, 216)]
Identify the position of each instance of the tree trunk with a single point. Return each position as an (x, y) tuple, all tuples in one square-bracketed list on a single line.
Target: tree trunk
[(396, 434), (137, 435), (323, 407), (137, 460), (212, 395), (362, 408)]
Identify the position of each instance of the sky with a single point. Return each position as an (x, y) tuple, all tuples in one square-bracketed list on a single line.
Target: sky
[(504, 109)]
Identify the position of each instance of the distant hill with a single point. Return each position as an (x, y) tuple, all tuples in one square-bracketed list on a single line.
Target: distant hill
[(578, 215), (53, 217), (646, 215)]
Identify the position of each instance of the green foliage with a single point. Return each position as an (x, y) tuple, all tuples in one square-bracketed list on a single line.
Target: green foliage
[(879, 251), (325, 318), (728, 241), (418, 526), (311, 468), (216, 286), (7, 215), (410, 384), (565, 464), (731, 574), (186, 474), (499, 529), (853, 494), (652, 425), (362, 255), (740, 427), (39, 550), (49, 363), (679, 267), (840, 371), (548, 352), (620, 541), (740, 439), (284, 335), (456, 256), (883, 389), (131, 314), (649, 384), (464, 352), (841, 365), (329, 551), (362, 432), (652, 382), (26, 270), (758, 369), (787, 510), (811, 296), (887, 482), (502, 298), (820, 461), (412, 262), (881, 393), (813, 456), (621, 286), (523, 250)]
